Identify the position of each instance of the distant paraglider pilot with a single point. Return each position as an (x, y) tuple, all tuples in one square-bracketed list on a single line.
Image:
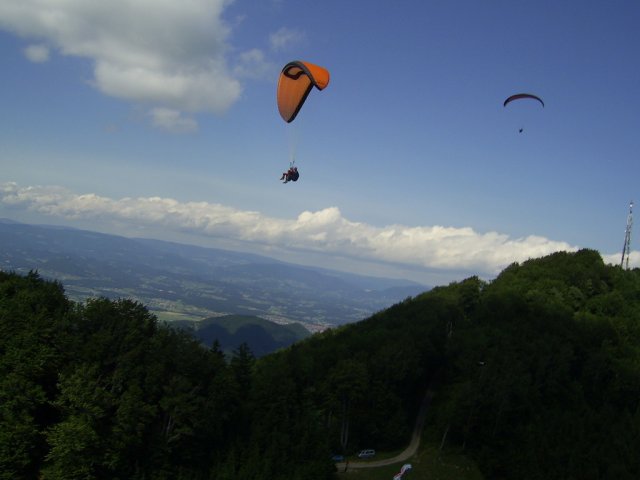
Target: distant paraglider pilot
[(290, 175)]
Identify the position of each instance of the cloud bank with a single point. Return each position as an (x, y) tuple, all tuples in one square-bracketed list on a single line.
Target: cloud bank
[(172, 120), (166, 53), (284, 37), (325, 231), (37, 53)]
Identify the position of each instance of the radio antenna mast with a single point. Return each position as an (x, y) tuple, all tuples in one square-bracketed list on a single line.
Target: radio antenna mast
[(627, 239)]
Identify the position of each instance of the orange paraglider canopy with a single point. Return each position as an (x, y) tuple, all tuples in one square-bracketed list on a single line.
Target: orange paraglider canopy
[(295, 82)]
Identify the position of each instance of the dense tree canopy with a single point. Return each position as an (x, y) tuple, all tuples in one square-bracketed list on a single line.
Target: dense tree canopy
[(101, 391), (543, 379), (536, 374)]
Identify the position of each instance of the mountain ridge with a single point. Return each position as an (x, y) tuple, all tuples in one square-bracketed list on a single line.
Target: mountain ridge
[(181, 281), (230, 331)]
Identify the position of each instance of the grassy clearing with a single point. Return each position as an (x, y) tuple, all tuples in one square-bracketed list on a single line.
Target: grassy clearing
[(428, 464)]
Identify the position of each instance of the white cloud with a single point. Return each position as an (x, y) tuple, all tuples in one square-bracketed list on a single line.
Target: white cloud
[(37, 53), (325, 231), (167, 53), (285, 37), (616, 258), (172, 120), (253, 64)]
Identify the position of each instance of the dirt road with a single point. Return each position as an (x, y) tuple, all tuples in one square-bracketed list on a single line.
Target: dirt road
[(408, 452)]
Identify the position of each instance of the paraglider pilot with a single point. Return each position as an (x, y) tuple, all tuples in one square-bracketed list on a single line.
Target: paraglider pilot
[(290, 175)]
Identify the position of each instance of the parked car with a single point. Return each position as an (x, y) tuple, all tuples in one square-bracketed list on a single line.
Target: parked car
[(367, 453), (338, 458)]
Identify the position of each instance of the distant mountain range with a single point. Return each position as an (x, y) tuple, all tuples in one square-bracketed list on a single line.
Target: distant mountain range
[(262, 336), (185, 282)]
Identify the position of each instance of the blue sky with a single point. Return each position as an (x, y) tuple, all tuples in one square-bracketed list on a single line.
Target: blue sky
[(158, 118)]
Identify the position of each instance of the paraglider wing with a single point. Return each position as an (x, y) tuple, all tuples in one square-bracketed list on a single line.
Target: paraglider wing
[(518, 96), (405, 468), (295, 82)]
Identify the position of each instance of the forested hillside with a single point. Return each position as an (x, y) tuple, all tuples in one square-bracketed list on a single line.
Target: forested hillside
[(543, 371), (536, 375)]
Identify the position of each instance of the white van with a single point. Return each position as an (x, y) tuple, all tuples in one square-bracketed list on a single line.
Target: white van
[(366, 453)]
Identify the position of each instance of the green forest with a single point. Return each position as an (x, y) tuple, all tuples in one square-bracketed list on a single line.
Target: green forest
[(534, 375)]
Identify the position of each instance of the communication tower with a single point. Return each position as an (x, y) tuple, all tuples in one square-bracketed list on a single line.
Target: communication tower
[(627, 239)]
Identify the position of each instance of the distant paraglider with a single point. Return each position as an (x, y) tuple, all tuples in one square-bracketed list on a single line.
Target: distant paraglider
[(296, 81), (519, 96)]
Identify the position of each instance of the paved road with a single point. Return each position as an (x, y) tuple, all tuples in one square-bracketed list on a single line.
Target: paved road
[(408, 452)]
